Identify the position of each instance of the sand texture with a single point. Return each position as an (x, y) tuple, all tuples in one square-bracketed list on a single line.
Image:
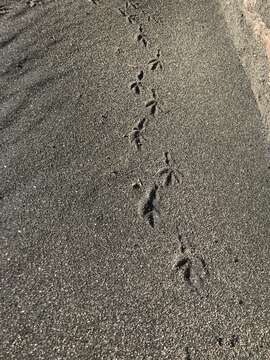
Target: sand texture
[(134, 185), (249, 25)]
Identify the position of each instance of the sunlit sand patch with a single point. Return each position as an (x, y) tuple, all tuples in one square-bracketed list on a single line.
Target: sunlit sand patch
[(259, 27)]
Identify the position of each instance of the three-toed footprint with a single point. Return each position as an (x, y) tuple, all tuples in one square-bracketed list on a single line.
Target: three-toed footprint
[(136, 136), (137, 84), (148, 208)]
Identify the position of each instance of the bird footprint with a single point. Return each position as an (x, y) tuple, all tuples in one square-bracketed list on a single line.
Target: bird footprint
[(135, 136), (168, 174), (154, 104), (95, 2), (156, 63), (141, 37), (149, 206), (137, 84), (33, 3), (129, 17), (3, 10), (131, 4), (193, 266)]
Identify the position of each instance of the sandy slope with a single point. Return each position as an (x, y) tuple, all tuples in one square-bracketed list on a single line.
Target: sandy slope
[(248, 24), (135, 223)]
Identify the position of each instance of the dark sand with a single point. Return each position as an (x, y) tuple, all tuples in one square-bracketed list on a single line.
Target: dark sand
[(104, 254)]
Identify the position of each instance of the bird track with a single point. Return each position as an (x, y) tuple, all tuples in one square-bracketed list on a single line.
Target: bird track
[(156, 63), (232, 341), (3, 10), (192, 265), (154, 104), (141, 37), (149, 204), (131, 4), (33, 3), (188, 355), (130, 18), (148, 208), (137, 84), (95, 2), (136, 136), (169, 174)]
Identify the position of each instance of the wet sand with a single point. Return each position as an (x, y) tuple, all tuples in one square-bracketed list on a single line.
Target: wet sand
[(135, 185)]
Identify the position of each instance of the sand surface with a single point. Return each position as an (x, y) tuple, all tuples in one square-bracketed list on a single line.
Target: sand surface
[(134, 185), (249, 26)]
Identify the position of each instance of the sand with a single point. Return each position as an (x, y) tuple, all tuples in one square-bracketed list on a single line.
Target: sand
[(248, 24), (135, 185)]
